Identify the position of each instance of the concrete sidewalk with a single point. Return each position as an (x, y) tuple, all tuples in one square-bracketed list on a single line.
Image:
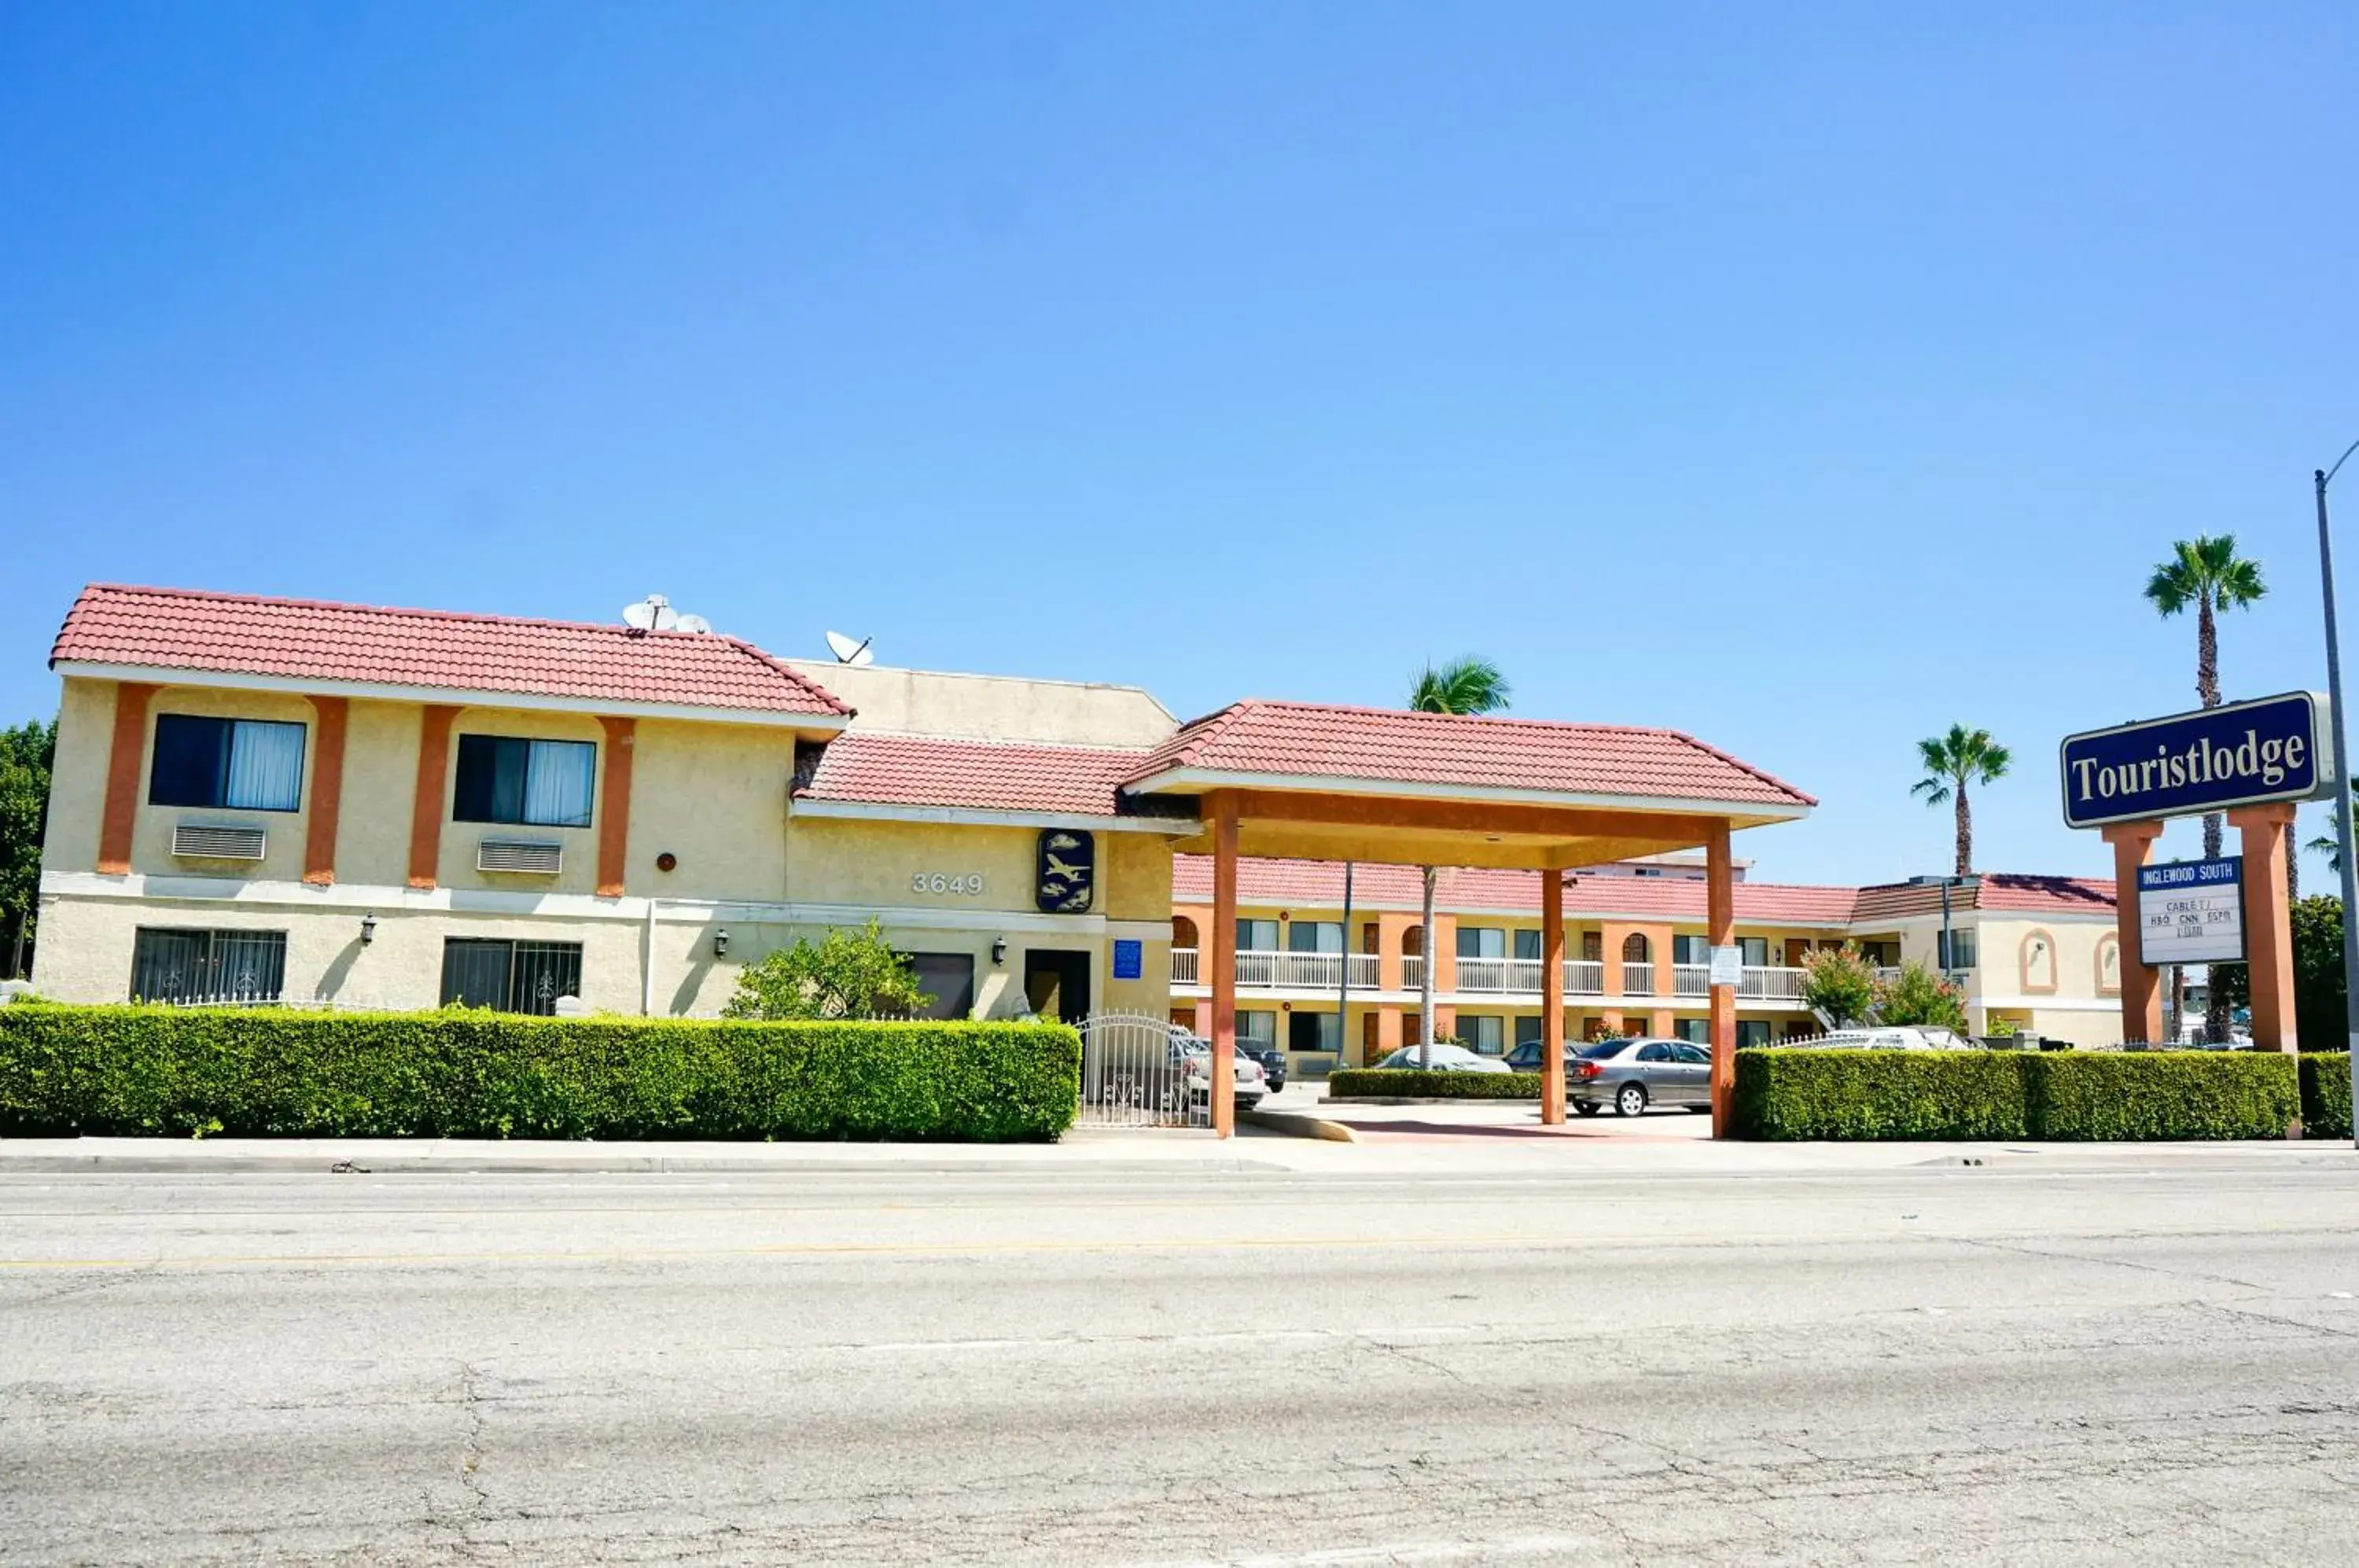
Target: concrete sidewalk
[(1463, 1151)]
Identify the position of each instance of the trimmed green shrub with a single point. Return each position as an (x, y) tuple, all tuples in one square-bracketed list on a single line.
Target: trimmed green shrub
[(2326, 1095), (1788, 1095), (1409, 1084), (460, 1074), (2078, 1096)]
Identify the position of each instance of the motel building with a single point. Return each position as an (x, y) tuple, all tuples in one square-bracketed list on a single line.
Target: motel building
[(272, 799)]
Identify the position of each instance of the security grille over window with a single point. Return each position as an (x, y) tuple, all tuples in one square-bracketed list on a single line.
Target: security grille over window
[(213, 842), (1135, 1073), (194, 968), (529, 857), (509, 976)]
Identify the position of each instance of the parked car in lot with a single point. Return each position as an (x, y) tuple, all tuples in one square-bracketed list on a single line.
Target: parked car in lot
[(1191, 1054), (1272, 1059), (1446, 1058), (1633, 1074), (1526, 1057)]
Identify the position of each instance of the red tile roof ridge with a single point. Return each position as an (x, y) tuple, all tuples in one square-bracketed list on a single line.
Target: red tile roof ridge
[(801, 681), (931, 737), (1232, 709)]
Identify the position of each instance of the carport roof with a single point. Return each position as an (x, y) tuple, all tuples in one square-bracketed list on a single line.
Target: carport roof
[(1263, 745)]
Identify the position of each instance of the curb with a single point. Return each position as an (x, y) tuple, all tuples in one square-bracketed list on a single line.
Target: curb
[(1290, 1124)]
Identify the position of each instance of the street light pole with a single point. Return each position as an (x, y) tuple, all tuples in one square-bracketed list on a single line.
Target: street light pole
[(2343, 836)]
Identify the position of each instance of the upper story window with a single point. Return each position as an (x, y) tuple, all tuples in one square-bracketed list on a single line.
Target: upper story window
[(251, 765), (1528, 945), (1954, 949), (1315, 936), (1482, 941), (1256, 936), (533, 783)]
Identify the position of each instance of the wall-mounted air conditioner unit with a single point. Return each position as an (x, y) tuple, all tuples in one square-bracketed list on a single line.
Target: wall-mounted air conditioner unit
[(529, 858), (202, 841)]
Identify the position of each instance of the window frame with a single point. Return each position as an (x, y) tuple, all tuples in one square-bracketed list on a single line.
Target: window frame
[(226, 725), (473, 741), (516, 947), (215, 939)]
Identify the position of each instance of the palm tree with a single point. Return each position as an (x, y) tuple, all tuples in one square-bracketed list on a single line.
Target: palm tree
[(1468, 685), (1953, 761), (2207, 573)]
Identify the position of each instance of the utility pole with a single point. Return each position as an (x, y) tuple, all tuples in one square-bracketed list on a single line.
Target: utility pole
[(2323, 478)]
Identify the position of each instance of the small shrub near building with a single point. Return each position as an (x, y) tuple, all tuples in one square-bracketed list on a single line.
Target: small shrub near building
[(1410, 1083), (2326, 1095), (131, 1071)]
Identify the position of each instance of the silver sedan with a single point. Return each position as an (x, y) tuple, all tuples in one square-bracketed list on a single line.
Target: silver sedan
[(1632, 1074)]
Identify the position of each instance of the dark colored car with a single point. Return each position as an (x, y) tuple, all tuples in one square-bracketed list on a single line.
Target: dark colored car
[(1526, 1057), (1272, 1059)]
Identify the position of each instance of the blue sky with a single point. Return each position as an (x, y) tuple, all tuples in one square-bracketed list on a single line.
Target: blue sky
[(1807, 378)]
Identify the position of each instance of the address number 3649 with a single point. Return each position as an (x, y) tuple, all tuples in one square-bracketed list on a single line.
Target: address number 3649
[(969, 883)]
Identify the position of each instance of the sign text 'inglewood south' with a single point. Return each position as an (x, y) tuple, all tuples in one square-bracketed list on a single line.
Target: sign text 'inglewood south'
[(2240, 755)]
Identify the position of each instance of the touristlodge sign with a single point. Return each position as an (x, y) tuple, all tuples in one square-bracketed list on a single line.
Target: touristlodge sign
[(2243, 753)]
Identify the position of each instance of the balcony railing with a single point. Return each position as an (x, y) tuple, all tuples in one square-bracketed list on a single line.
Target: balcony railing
[(1584, 978)]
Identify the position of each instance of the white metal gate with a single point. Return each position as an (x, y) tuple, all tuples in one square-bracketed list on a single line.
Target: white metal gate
[(1135, 1073)]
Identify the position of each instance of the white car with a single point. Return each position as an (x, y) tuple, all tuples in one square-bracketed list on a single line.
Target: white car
[(1194, 1055), (1897, 1038), (1446, 1058)]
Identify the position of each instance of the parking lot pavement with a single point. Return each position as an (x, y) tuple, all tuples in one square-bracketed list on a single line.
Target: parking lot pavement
[(1485, 1119)]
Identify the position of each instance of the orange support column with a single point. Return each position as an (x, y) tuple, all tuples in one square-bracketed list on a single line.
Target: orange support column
[(615, 811), (327, 791), (1552, 998), (2141, 986), (1224, 966), (2268, 923), (1720, 917), (120, 815), (426, 801)]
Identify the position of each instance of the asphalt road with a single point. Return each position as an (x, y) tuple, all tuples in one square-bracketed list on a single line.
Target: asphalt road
[(1952, 1364)]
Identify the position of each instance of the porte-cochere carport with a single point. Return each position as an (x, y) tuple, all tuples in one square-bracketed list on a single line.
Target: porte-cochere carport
[(1315, 783)]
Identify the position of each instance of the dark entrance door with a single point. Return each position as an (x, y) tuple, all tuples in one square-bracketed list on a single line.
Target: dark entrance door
[(1057, 983)]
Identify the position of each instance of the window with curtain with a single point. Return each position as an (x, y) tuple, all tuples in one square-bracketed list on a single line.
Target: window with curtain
[(1313, 1031), (1483, 1034), (1482, 941), (1690, 950), (248, 764), (1528, 945), (529, 783), (1315, 936), (1256, 936), (1257, 1029)]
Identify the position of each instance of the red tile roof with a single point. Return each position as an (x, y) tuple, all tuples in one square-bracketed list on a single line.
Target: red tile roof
[(300, 639), (1442, 750), (920, 770), (1320, 884)]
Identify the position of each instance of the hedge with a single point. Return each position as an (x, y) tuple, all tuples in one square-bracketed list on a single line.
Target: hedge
[(1410, 1083), (1787, 1094), (458, 1073), (2326, 1095)]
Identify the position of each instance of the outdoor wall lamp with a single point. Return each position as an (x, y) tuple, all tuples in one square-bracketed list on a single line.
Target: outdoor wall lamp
[(999, 950), (721, 943), (368, 927)]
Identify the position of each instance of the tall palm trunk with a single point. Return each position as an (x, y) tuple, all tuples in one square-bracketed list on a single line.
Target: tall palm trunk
[(2207, 692), (1965, 830), (1425, 977)]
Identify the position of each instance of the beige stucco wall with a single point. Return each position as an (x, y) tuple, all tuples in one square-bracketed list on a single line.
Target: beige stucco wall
[(715, 797), (77, 780), (994, 707)]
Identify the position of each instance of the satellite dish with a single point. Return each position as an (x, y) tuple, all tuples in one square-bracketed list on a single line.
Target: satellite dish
[(695, 623), (652, 613), (847, 651)]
